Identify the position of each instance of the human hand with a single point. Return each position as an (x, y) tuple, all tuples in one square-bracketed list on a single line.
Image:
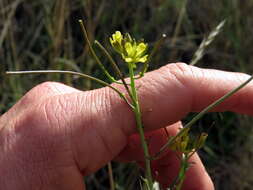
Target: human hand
[(56, 134)]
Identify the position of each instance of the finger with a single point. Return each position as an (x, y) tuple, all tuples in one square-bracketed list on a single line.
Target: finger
[(99, 120), (196, 176), (155, 139), (177, 89), (166, 168)]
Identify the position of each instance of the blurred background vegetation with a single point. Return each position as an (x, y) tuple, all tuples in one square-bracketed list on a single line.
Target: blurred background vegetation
[(45, 34)]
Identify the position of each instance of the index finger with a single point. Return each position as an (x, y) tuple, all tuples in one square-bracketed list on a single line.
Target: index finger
[(166, 95), (175, 90)]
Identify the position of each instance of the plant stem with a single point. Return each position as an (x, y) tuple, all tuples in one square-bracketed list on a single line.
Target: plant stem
[(114, 66), (202, 113), (94, 54), (184, 165), (74, 73), (137, 112)]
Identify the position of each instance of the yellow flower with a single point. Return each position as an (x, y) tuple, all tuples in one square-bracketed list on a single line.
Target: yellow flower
[(135, 52), (130, 50), (116, 41)]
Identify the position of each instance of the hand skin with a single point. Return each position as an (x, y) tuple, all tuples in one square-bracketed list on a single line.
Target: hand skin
[(56, 134)]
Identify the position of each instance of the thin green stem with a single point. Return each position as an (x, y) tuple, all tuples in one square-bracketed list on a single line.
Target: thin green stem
[(74, 73), (182, 172), (113, 63), (111, 78), (114, 66), (137, 112), (200, 115)]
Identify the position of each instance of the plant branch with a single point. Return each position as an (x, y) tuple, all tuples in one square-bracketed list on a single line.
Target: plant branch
[(200, 115), (74, 73), (114, 66), (111, 78), (138, 117)]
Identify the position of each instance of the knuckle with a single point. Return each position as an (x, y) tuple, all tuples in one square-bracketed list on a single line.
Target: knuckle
[(179, 74), (43, 87), (179, 70), (37, 92)]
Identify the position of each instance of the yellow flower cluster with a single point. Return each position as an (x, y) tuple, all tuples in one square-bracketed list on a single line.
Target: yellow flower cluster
[(130, 50)]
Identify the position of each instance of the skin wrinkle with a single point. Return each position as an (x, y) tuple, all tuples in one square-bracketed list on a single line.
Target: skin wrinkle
[(104, 113), (86, 130), (79, 101), (110, 98), (120, 108), (100, 114), (53, 118), (100, 106), (61, 112), (50, 145)]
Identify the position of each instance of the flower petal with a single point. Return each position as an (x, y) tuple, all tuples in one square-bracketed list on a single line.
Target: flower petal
[(143, 59), (141, 48)]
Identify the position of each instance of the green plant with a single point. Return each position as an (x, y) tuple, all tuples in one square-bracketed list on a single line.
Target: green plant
[(134, 52)]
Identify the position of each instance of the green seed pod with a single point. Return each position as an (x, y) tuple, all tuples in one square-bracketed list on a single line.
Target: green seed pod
[(201, 140)]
